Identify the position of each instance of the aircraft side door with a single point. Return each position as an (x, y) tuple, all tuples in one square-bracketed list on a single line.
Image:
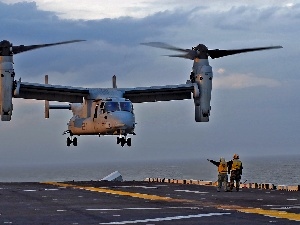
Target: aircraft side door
[(99, 118)]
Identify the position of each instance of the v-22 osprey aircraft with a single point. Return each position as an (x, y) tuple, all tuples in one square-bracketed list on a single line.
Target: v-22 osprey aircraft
[(109, 111)]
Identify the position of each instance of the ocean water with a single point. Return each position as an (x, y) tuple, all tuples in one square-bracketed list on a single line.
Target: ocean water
[(273, 169)]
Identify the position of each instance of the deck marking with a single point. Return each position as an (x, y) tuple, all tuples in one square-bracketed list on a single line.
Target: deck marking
[(265, 212), (139, 208), (196, 192), (272, 213), (118, 193), (103, 209), (143, 208), (166, 218), (138, 186), (260, 211)]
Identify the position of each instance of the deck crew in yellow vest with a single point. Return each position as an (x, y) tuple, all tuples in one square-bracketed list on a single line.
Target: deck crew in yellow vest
[(236, 167), (222, 173)]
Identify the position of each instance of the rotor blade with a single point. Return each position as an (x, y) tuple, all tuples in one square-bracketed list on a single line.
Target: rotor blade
[(191, 55), (217, 53), (179, 55), (23, 48), (165, 46)]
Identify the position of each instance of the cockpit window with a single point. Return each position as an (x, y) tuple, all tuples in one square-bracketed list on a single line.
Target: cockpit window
[(111, 106), (126, 106)]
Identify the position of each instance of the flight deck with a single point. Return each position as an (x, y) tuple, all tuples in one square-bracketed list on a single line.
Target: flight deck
[(142, 202)]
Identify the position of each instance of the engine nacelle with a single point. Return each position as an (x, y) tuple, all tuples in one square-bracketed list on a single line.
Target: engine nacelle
[(200, 116), (6, 85), (203, 78)]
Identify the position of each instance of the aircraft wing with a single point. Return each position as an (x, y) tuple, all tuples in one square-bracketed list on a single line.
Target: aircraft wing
[(76, 94), (50, 92), (159, 93)]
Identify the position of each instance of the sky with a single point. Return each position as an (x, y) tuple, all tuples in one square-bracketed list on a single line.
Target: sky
[(255, 97)]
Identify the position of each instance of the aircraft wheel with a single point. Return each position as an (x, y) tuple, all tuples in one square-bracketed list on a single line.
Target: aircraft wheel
[(118, 140), (123, 141), (69, 141), (75, 141), (129, 142)]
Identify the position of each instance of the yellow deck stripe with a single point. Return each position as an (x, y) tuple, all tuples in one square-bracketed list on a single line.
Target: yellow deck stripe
[(114, 192), (265, 212), (271, 213)]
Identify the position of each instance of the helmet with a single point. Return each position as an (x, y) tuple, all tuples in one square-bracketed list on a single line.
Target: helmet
[(222, 159), (236, 156)]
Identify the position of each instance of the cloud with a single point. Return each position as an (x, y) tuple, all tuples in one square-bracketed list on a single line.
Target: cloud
[(93, 9), (240, 81)]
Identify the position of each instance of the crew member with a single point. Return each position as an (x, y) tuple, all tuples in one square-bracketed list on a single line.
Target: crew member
[(236, 167), (222, 172)]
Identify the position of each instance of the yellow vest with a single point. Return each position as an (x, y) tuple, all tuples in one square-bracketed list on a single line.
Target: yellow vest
[(236, 164), (222, 167)]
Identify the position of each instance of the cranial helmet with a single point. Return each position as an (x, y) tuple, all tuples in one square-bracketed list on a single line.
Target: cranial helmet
[(222, 159), (236, 156)]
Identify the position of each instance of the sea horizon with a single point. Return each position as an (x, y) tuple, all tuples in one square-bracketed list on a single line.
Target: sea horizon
[(279, 170)]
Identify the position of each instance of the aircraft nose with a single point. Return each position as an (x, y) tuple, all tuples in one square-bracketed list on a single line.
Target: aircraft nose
[(124, 120)]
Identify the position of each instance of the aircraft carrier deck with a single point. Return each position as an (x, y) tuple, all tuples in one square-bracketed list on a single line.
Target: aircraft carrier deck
[(141, 202)]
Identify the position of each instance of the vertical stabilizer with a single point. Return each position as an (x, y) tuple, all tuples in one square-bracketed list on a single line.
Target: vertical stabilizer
[(114, 81), (46, 101)]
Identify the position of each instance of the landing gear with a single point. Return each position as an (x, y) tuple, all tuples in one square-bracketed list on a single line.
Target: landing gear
[(122, 141), (71, 140)]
